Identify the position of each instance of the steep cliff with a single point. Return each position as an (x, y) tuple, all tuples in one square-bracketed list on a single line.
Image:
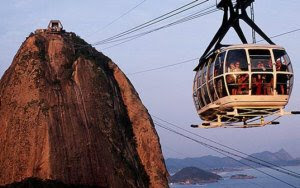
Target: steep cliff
[(68, 113)]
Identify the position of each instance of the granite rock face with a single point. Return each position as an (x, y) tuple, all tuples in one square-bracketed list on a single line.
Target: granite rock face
[(68, 113)]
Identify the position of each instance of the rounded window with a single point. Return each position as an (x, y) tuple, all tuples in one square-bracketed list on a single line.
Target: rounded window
[(260, 60), (236, 61), (195, 88), (262, 84), (219, 64), (282, 61), (204, 89), (284, 83), (197, 91), (238, 84), (219, 83)]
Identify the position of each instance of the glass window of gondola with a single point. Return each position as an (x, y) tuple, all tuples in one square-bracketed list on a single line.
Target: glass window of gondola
[(204, 73), (236, 61), (199, 97), (284, 84), (195, 88), (284, 80), (261, 60), (291, 83), (198, 79), (196, 101), (262, 84), (218, 73), (219, 64), (211, 69), (220, 87), (198, 89), (212, 92), (211, 88), (204, 86), (238, 84), (282, 61)]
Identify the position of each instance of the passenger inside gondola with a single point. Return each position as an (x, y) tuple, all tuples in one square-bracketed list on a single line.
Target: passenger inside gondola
[(268, 83), (238, 84), (231, 80), (256, 84), (282, 79), (280, 66), (262, 84), (270, 65), (231, 67), (260, 60), (243, 84), (261, 66), (237, 66)]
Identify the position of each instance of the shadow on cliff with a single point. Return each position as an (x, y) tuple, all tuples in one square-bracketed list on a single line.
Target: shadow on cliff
[(39, 183)]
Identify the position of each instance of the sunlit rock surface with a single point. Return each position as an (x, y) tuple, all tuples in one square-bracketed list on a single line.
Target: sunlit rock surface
[(68, 113)]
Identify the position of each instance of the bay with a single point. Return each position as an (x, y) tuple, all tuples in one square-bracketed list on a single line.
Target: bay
[(261, 180)]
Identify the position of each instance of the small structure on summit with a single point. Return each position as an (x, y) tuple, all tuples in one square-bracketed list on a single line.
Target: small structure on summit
[(55, 26)]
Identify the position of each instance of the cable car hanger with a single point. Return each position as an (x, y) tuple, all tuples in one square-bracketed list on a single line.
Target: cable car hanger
[(231, 18), (238, 85)]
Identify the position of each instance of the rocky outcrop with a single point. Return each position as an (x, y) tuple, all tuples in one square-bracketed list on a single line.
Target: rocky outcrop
[(68, 113), (193, 175)]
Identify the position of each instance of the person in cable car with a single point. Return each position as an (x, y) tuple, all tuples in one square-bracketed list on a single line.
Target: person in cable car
[(237, 67), (238, 84), (243, 87), (281, 78), (231, 79)]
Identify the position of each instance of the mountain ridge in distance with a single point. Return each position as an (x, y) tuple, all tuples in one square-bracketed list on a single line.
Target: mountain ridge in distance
[(210, 162)]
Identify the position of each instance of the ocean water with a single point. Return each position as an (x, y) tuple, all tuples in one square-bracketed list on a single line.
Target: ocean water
[(261, 180)]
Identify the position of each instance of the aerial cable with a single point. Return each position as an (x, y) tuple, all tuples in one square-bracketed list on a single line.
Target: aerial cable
[(278, 168), (182, 20), (174, 151), (118, 18), (160, 18), (223, 152), (279, 35), (166, 66), (148, 32), (201, 163), (153, 21), (170, 65), (143, 25), (127, 39), (289, 171), (142, 34)]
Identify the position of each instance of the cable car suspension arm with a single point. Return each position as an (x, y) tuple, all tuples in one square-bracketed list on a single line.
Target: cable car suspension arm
[(237, 13)]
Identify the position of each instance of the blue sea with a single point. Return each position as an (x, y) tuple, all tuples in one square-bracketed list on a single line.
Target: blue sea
[(261, 180)]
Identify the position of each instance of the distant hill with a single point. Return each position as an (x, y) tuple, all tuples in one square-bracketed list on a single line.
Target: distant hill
[(281, 158), (193, 175), (206, 162), (210, 162), (277, 156)]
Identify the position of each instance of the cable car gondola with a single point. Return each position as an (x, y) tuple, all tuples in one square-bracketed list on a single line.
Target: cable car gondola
[(235, 84)]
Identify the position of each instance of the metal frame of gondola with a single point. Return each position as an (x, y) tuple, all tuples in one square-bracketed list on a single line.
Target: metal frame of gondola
[(233, 13)]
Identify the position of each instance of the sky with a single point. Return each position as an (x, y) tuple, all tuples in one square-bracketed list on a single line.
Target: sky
[(167, 93)]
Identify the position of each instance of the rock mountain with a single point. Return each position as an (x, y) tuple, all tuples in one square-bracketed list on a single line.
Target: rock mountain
[(69, 114)]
